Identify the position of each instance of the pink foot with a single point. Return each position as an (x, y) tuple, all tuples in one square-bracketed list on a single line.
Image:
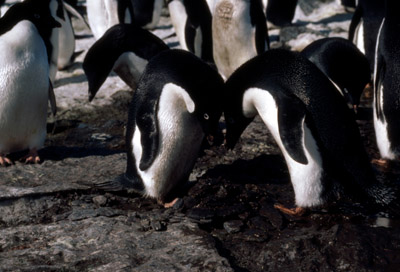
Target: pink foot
[(31, 157), (4, 161), (298, 211)]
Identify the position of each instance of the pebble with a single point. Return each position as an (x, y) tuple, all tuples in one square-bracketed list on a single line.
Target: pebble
[(233, 226), (100, 200)]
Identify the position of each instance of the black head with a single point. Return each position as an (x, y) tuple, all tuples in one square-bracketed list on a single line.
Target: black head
[(35, 11)]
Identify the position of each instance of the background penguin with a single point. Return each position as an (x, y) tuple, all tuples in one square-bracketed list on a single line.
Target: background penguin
[(147, 12), (386, 84), (124, 48), (363, 30), (342, 63), (280, 12), (24, 71), (103, 14), (172, 111), (192, 24), (314, 129), (239, 33)]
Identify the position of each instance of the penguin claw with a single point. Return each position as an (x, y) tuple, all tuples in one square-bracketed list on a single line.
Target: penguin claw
[(298, 211), (381, 164), (31, 157), (4, 161), (168, 204)]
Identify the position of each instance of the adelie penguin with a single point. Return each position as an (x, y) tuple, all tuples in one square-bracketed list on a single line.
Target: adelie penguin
[(172, 112), (192, 24), (24, 84), (386, 84), (364, 26), (344, 64), (314, 129), (103, 14), (124, 48), (239, 33)]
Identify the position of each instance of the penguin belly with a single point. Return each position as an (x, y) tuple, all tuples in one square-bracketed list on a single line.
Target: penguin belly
[(233, 36), (359, 37), (180, 140), (102, 14), (129, 68), (178, 18), (24, 86), (305, 178), (66, 43)]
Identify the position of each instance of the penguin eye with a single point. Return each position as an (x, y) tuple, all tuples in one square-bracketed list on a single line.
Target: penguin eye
[(37, 16), (206, 117)]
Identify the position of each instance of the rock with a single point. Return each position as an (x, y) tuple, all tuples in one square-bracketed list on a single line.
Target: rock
[(233, 226)]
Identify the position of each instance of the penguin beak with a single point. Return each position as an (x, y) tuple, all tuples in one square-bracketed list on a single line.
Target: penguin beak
[(355, 108)]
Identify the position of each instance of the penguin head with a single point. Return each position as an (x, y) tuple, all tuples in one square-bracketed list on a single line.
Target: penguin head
[(35, 11), (235, 120)]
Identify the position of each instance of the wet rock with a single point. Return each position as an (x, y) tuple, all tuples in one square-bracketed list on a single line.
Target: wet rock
[(233, 226)]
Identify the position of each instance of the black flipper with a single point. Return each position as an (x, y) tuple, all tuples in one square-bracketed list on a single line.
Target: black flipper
[(190, 34), (291, 116), (147, 123), (258, 21), (354, 22), (52, 99)]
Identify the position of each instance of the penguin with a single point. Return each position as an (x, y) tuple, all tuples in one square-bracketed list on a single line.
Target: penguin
[(192, 24), (66, 41), (386, 85), (103, 14), (239, 32), (343, 63), (147, 12), (124, 48), (172, 112), (280, 12), (364, 27), (315, 131), (24, 84)]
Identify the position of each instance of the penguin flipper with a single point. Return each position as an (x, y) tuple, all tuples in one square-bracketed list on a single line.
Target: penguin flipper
[(149, 139), (258, 21), (354, 22), (190, 34), (52, 99), (71, 10), (121, 183), (380, 69), (291, 116)]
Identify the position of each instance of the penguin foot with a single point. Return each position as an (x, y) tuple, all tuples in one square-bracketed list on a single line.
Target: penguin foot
[(298, 211), (4, 161), (381, 164), (31, 157), (168, 204)]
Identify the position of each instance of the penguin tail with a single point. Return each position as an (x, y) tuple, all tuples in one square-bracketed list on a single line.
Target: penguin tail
[(386, 196), (120, 184)]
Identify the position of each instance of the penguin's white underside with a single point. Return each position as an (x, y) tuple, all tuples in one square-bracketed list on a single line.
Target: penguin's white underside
[(180, 137), (359, 36), (233, 36), (306, 178), (24, 87), (177, 8)]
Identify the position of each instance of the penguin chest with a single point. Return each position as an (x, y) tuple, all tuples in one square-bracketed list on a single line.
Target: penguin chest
[(24, 85), (180, 138), (178, 15), (233, 35), (102, 14), (129, 68), (305, 178)]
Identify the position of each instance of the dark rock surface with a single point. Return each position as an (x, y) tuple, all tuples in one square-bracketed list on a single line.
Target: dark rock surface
[(52, 218)]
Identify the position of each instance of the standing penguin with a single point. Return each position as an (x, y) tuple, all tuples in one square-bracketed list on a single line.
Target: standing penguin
[(147, 12), (363, 30), (192, 23), (172, 111), (343, 64), (239, 33), (314, 129), (103, 14), (386, 84), (24, 71), (124, 48)]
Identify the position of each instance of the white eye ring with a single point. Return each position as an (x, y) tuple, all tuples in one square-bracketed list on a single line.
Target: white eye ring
[(206, 116)]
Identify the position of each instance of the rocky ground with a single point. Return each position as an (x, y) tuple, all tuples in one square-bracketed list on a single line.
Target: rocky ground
[(53, 219)]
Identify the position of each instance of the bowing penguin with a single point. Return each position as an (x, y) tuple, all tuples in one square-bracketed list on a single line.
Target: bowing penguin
[(103, 14), (343, 63), (386, 84), (313, 128), (124, 48), (172, 111), (239, 32), (192, 23), (24, 71), (364, 26)]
